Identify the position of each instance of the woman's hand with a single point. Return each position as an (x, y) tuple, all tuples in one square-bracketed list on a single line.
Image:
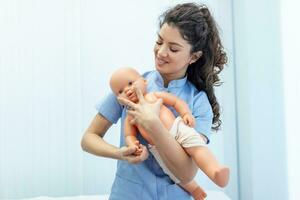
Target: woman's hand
[(143, 113), (128, 153)]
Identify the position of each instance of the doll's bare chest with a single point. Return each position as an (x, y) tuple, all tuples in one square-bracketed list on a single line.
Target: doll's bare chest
[(150, 97)]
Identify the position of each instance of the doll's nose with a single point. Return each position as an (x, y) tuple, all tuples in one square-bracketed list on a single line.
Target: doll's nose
[(128, 91)]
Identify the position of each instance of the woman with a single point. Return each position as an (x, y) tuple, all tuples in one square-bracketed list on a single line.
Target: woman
[(188, 58)]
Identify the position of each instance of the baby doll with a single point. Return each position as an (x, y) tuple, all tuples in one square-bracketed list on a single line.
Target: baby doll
[(123, 83)]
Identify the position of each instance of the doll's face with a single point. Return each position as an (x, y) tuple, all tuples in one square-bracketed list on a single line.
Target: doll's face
[(123, 82)]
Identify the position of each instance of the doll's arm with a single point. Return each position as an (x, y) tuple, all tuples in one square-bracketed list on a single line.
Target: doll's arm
[(180, 106)]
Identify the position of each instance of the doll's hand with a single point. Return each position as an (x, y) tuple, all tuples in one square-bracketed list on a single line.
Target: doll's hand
[(189, 119), (138, 147), (128, 154)]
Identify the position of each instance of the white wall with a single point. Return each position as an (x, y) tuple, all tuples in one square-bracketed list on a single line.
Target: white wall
[(41, 98), (290, 31), (55, 60)]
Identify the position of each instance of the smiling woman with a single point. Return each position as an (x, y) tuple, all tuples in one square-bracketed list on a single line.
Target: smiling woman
[(54, 67), (190, 72)]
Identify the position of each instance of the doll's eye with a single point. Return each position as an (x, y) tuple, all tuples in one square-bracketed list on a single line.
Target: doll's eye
[(130, 83), (120, 91)]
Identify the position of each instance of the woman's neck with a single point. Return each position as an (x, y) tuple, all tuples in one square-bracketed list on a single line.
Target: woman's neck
[(168, 78)]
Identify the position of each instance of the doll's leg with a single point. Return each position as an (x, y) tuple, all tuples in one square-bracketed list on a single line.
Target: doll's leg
[(131, 136), (195, 146), (194, 189), (207, 162)]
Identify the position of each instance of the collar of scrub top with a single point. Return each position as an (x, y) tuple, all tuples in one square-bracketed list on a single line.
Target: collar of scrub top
[(173, 84)]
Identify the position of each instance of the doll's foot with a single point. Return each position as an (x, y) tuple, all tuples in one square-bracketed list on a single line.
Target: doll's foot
[(222, 177), (199, 194)]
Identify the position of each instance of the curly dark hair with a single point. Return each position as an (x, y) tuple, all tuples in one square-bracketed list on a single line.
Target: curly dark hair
[(198, 27)]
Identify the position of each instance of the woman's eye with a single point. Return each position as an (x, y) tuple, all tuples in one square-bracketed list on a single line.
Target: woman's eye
[(120, 91), (174, 50), (158, 43), (130, 83)]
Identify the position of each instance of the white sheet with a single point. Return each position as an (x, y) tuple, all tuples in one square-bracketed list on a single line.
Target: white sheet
[(211, 195)]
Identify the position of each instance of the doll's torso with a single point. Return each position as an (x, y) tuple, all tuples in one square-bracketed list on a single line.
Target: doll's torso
[(166, 116)]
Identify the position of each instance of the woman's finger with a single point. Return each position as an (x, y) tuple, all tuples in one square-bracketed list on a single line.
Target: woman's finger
[(144, 155), (126, 102), (159, 101), (132, 112), (133, 121), (139, 94)]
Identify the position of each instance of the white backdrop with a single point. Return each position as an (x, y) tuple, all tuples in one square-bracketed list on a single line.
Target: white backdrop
[(55, 60)]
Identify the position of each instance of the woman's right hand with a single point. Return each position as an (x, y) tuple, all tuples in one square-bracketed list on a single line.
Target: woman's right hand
[(143, 113), (128, 153)]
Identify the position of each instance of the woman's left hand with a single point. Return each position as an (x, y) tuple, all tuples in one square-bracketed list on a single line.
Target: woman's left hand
[(143, 113)]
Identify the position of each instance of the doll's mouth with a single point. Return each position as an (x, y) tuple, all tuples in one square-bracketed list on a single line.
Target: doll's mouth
[(132, 97)]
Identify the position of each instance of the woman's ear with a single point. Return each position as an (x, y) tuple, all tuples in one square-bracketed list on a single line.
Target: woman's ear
[(195, 56)]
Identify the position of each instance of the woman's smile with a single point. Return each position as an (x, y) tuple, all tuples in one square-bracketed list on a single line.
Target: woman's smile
[(160, 61)]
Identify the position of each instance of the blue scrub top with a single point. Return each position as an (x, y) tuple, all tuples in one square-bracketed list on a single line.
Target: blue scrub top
[(146, 180)]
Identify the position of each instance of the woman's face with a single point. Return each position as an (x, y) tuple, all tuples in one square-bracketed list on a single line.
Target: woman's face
[(172, 53)]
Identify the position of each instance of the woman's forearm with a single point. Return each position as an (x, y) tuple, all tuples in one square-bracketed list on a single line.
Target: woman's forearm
[(95, 144), (173, 155), (92, 139)]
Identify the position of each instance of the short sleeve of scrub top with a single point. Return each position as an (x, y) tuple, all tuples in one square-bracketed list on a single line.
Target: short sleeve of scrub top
[(110, 108)]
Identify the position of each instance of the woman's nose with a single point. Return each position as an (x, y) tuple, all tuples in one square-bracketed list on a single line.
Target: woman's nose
[(162, 51)]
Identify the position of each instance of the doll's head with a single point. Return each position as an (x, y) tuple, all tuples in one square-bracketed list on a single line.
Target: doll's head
[(124, 80)]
